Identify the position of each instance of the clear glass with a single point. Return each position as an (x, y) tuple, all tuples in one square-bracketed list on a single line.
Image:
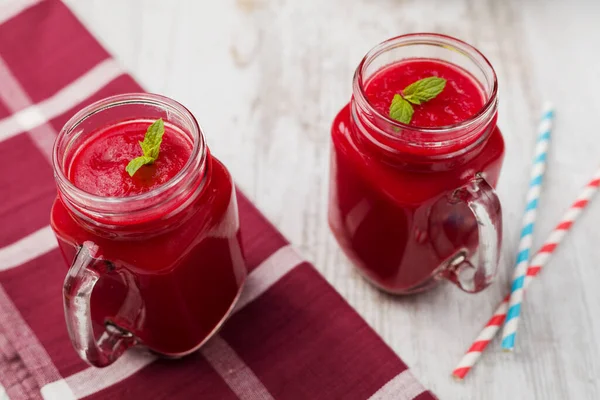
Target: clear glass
[(412, 205), (162, 269)]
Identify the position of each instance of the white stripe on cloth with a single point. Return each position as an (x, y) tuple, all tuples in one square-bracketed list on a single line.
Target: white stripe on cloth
[(16, 99), (31, 352), (11, 9), (403, 386), (27, 249), (238, 376), (92, 380), (268, 273), (3, 394), (63, 100)]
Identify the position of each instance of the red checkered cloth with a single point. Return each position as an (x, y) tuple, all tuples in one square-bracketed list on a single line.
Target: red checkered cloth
[(292, 336)]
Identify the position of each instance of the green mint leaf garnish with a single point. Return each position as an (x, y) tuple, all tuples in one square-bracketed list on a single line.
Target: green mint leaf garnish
[(153, 139), (416, 93), (401, 110), (150, 147), (424, 89), (137, 163)]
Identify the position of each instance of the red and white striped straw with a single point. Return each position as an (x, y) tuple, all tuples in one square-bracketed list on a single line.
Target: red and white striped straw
[(537, 263)]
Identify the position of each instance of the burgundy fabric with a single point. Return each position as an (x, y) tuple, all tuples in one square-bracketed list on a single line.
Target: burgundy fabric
[(298, 338), (24, 207)]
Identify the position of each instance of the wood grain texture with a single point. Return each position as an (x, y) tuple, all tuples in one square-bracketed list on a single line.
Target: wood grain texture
[(265, 79)]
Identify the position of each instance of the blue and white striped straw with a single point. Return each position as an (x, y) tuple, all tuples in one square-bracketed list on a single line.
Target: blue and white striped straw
[(535, 188)]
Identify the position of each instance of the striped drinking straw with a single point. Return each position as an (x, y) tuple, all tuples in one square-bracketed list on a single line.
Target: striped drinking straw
[(526, 240), (537, 263)]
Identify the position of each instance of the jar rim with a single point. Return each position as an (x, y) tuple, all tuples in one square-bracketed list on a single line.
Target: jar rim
[(434, 39), (139, 201)]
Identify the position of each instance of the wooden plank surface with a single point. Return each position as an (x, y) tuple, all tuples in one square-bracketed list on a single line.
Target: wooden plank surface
[(265, 79)]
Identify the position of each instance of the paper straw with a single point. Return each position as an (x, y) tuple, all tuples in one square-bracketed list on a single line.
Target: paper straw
[(537, 263), (526, 241)]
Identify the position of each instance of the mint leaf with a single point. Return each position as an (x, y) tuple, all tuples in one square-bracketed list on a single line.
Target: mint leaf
[(150, 147), (401, 110), (137, 163), (153, 139), (424, 89)]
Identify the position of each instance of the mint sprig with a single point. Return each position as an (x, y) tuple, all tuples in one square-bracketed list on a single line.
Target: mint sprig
[(150, 147), (401, 110), (416, 93)]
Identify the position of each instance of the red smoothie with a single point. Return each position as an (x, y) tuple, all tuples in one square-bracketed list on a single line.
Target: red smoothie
[(461, 98), (389, 199), (98, 165), (172, 274)]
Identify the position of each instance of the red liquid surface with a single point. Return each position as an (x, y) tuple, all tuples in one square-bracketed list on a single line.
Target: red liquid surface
[(461, 98), (171, 284), (391, 214), (98, 167)]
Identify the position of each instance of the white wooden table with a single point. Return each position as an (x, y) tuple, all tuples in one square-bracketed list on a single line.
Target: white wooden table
[(266, 77)]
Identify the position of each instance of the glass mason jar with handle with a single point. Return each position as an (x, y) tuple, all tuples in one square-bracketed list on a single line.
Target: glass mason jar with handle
[(410, 204), (163, 268)]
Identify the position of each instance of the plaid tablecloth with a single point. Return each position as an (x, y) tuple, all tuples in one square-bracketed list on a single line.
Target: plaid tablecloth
[(291, 337)]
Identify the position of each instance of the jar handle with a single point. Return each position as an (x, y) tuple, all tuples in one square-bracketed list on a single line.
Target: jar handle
[(77, 291), (474, 272)]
